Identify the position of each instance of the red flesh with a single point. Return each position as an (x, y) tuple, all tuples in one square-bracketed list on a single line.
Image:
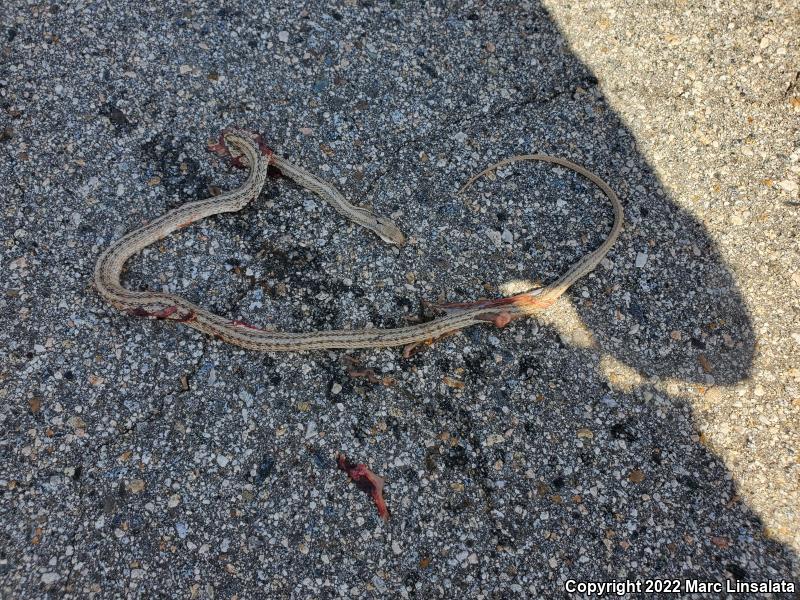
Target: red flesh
[(368, 373), (526, 300), (367, 481), (221, 148), (190, 316)]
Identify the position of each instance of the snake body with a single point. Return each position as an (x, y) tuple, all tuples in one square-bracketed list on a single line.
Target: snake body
[(249, 151)]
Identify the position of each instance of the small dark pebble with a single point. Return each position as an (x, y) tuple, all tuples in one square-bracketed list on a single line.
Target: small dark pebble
[(116, 116), (456, 457), (404, 303), (449, 209), (636, 312), (430, 70), (109, 504), (621, 430), (135, 524), (321, 462), (264, 468), (689, 482), (737, 571)]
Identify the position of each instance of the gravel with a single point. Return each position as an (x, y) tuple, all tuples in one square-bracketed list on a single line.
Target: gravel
[(646, 426)]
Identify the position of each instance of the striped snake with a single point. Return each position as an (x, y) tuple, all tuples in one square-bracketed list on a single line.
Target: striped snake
[(249, 151)]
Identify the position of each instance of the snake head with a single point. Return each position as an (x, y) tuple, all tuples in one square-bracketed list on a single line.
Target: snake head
[(231, 145), (389, 232)]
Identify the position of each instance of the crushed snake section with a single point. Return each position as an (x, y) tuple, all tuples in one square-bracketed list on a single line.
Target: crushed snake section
[(249, 151), (367, 481)]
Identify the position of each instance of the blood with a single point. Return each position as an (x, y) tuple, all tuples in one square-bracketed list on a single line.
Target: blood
[(368, 373), (526, 300), (190, 316), (499, 320), (221, 148), (367, 481)]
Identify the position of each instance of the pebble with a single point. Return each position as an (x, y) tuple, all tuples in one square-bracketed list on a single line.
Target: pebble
[(641, 260), (609, 401), (495, 237), (379, 584), (311, 429), (493, 439), (246, 397), (264, 468), (636, 476)]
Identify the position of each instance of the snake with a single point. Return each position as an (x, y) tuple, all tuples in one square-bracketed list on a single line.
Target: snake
[(249, 151)]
